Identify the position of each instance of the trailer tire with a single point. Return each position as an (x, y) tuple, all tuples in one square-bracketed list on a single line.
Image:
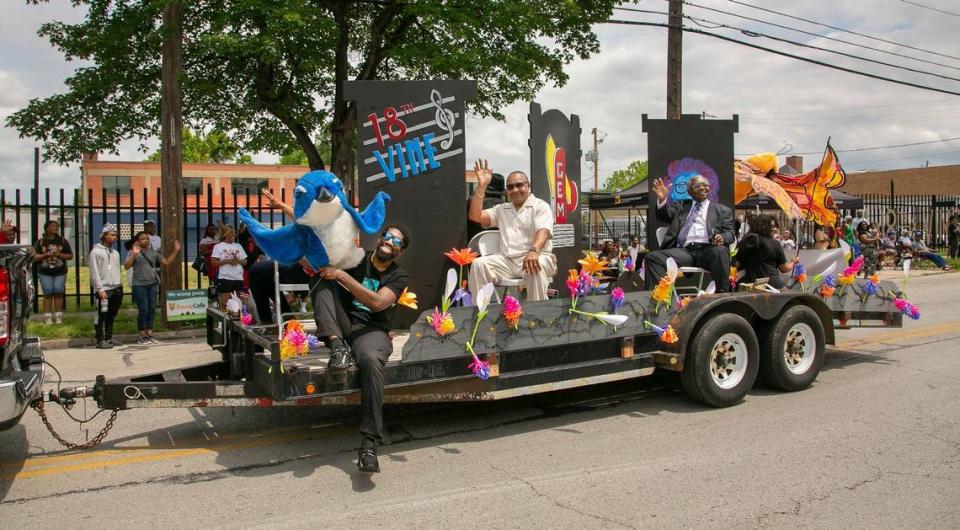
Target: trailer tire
[(792, 349), (721, 361)]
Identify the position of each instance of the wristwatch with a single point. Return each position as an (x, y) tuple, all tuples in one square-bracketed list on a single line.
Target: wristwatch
[(534, 250)]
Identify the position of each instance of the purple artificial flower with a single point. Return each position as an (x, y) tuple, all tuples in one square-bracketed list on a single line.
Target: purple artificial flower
[(616, 298)]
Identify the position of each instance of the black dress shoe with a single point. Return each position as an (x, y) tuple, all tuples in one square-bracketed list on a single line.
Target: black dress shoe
[(367, 461), (340, 355)]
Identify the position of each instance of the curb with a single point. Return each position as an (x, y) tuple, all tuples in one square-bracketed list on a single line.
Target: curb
[(81, 342)]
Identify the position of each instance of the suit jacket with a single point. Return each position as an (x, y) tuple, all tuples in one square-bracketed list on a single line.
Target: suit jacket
[(719, 221)]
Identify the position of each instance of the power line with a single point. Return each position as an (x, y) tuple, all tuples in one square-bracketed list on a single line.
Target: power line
[(861, 149), (755, 34), (790, 55), (825, 37), (931, 8), (897, 146), (841, 29)]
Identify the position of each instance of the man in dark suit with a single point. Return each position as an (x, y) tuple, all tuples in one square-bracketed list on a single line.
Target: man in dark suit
[(698, 234)]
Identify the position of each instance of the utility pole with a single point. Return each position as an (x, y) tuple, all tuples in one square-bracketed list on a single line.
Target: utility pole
[(675, 61), (171, 125), (596, 182)]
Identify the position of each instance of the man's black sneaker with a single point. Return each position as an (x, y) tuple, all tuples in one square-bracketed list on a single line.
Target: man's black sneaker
[(340, 355), (115, 342), (104, 345), (367, 461)]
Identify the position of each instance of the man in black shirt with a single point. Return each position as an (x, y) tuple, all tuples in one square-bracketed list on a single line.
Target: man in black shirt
[(352, 309)]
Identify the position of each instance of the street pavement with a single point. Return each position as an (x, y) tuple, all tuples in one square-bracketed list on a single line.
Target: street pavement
[(875, 443)]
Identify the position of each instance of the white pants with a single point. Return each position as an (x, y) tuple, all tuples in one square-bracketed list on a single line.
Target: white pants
[(497, 267)]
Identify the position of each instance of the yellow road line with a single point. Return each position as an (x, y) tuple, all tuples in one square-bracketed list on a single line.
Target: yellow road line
[(903, 334), (166, 454)]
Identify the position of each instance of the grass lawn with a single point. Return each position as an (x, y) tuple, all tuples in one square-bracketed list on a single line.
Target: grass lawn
[(78, 320), (85, 300), (81, 326)]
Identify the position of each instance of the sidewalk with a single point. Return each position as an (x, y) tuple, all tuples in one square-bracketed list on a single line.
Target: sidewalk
[(88, 342)]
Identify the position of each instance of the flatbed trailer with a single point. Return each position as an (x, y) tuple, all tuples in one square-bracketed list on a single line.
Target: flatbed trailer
[(725, 343)]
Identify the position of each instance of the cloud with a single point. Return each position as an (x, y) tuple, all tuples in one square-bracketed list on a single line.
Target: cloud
[(779, 101)]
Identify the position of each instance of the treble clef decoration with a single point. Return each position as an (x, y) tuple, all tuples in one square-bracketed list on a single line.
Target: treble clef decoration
[(444, 118)]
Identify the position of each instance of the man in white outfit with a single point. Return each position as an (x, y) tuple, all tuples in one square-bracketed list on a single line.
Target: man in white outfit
[(526, 227)]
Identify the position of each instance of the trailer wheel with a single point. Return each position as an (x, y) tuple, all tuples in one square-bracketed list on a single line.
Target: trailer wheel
[(721, 361), (792, 348)]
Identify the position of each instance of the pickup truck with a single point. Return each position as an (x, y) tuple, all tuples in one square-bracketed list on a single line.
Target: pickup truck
[(22, 367)]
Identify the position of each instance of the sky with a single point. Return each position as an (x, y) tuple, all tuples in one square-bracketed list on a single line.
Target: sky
[(783, 104)]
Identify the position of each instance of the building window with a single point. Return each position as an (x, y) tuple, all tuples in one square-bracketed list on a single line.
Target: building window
[(112, 185), (192, 185), (242, 186)]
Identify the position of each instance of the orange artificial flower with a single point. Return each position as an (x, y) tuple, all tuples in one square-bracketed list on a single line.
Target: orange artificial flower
[(875, 278), (461, 257), (661, 294), (407, 299), (592, 264), (669, 336), (294, 325), (572, 275)]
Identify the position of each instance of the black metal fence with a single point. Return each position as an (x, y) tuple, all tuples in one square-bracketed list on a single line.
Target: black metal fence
[(81, 219), (926, 213)]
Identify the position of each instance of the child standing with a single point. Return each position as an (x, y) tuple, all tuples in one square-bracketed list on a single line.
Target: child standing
[(106, 283)]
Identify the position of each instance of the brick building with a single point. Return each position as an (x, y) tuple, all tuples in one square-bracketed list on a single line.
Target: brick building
[(106, 179)]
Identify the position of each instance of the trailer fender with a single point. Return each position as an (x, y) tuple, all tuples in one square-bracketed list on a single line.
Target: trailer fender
[(756, 308)]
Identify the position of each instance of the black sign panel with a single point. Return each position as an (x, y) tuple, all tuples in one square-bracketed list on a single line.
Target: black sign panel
[(411, 146), (680, 149), (555, 178)]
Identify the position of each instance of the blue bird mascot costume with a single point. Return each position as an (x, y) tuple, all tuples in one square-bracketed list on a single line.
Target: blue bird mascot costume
[(326, 227)]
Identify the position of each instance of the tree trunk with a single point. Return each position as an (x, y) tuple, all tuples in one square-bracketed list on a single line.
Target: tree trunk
[(171, 159)]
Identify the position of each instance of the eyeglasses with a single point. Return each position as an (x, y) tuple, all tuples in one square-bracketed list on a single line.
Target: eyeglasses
[(392, 239), (516, 185)]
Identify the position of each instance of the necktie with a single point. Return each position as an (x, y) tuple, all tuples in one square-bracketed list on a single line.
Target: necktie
[(688, 224)]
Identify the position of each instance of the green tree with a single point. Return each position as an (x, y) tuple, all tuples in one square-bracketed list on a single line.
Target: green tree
[(622, 179), (270, 73), (214, 147)]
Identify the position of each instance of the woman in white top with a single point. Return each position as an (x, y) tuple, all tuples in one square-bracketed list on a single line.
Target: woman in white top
[(229, 258)]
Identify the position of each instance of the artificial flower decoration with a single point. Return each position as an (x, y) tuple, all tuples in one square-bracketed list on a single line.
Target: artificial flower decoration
[(629, 265), (512, 312), (294, 325), (442, 322), (407, 299), (313, 342), (869, 289), (733, 278), (684, 301), (828, 286), (800, 275), (616, 298), (572, 282), (461, 257), (245, 317), (480, 368), (294, 343), (711, 288), (667, 334), (592, 264), (827, 272), (907, 308), (854, 268), (462, 295)]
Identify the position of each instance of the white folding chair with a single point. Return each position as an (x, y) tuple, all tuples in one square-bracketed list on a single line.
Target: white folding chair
[(697, 272), (486, 243)]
